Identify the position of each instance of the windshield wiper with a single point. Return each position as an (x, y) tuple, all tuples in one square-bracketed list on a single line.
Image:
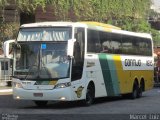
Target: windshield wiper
[(30, 68)]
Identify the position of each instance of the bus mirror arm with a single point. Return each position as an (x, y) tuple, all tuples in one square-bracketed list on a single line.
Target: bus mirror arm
[(70, 57), (70, 47)]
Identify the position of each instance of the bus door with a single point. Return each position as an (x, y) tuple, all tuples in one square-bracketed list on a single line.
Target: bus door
[(78, 63)]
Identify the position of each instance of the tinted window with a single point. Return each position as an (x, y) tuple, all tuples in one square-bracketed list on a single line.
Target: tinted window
[(4, 65), (106, 42), (145, 46), (93, 44), (136, 45), (78, 61), (111, 43), (128, 45)]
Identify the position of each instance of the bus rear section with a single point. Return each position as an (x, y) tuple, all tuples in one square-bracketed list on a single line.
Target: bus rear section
[(123, 62)]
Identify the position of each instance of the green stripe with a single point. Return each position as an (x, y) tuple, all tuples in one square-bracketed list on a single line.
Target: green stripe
[(109, 74), (106, 74), (114, 76)]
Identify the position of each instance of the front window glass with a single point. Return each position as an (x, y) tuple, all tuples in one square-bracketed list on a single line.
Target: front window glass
[(44, 34), (41, 60)]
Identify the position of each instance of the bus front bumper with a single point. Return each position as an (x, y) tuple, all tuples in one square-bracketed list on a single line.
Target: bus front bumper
[(61, 94)]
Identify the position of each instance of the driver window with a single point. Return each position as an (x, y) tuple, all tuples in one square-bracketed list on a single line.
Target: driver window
[(78, 60)]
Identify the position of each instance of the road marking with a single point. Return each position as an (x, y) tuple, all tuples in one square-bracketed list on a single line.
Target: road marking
[(6, 90)]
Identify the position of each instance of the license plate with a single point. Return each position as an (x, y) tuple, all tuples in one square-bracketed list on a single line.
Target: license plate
[(38, 94)]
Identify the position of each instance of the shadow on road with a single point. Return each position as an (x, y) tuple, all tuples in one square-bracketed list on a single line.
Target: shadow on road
[(7, 101), (77, 104)]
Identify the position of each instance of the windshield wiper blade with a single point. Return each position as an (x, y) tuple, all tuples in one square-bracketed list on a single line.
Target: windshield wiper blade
[(29, 71)]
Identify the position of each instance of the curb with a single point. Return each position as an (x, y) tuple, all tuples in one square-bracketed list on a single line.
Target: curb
[(5, 90)]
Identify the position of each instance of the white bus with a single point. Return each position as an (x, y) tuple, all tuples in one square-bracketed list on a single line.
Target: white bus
[(69, 61), (6, 63)]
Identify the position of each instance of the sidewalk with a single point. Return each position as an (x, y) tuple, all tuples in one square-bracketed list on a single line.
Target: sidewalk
[(5, 90)]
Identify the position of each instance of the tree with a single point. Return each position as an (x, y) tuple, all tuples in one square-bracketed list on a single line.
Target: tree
[(127, 14)]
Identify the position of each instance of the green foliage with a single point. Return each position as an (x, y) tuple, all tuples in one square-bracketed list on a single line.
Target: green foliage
[(30, 5), (128, 14), (156, 37), (3, 3), (8, 31), (99, 10)]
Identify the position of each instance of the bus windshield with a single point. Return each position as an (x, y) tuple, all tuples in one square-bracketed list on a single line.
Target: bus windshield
[(41, 60), (45, 34)]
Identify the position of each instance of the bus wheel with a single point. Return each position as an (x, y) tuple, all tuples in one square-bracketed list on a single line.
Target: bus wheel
[(41, 103), (89, 95), (139, 92), (134, 93), (141, 89)]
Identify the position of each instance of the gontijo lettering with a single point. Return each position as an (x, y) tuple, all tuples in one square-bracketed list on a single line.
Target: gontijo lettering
[(132, 62)]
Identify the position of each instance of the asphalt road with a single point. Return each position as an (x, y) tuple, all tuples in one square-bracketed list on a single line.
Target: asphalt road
[(147, 106)]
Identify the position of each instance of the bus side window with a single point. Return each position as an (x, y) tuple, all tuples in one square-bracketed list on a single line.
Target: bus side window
[(93, 41), (110, 42), (78, 60), (4, 65)]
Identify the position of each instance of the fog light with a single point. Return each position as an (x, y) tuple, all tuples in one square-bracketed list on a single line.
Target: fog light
[(62, 98), (18, 97)]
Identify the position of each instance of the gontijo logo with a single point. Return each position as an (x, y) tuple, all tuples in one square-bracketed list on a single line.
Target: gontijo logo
[(137, 63), (132, 62)]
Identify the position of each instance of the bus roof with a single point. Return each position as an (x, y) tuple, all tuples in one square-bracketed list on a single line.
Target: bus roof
[(138, 34), (89, 24), (101, 25), (47, 24)]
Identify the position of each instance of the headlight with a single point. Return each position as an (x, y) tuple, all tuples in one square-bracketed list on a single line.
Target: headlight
[(17, 85), (62, 85)]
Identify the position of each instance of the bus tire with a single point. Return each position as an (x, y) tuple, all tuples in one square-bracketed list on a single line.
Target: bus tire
[(41, 103), (141, 89), (139, 92), (90, 95), (135, 90)]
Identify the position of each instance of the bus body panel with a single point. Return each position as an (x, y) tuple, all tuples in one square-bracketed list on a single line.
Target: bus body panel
[(105, 71), (111, 79), (94, 73)]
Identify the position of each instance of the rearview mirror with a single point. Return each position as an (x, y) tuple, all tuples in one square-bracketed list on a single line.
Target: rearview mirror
[(70, 47), (18, 51), (6, 47)]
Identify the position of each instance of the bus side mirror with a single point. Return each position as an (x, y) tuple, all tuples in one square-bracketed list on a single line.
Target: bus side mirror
[(18, 51), (6, 47), (70, 47)]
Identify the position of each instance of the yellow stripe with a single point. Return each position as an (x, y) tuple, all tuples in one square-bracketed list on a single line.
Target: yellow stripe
[(101, 24), (120, 73)]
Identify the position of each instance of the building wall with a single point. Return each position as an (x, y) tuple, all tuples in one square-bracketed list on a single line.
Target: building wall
[(9, 13), (44, 15)]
